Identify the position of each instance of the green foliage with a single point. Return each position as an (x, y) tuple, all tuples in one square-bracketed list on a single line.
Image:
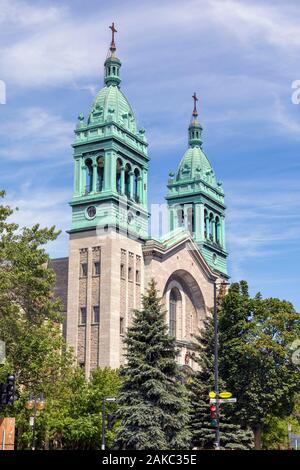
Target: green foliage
[(30, 324), (275, 432), (232, 436), (154, 411), (255, 356), (72, 418)]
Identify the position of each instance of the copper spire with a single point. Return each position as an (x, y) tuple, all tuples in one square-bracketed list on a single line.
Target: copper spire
[(195, 112), (113, 31)]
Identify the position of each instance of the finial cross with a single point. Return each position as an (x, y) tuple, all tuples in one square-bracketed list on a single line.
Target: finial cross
[(113, 31), (195, 104)]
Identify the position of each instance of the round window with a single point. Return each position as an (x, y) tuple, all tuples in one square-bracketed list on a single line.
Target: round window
[(91, 212), (214, 258)]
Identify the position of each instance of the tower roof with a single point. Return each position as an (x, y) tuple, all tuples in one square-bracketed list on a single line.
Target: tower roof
[(194, 163), (111, 104)]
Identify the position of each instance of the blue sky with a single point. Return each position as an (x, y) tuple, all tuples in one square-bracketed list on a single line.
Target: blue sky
[(241, 57)]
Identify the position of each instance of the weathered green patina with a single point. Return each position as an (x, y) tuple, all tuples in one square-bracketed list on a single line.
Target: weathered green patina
[(110, 162), (196, 200)]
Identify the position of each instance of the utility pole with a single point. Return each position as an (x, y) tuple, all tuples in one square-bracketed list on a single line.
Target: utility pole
[(105, 399), (216, 369), (37, 403), (216, 365)]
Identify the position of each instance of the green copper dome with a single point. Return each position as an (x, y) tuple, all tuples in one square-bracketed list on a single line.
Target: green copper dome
[(195, 165), (112, 105)]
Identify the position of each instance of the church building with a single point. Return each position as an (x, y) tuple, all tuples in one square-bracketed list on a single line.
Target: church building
[(112, 255)]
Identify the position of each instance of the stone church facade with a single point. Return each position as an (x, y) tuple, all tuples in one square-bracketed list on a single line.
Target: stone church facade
[(112, 256)]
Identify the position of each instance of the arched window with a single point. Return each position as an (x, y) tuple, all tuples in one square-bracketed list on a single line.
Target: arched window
[(114, 70), (217, 228), (127, 179), (211, 226), (206, 229), (174, 306), (191, 219), (89, 175), (100, 173), (118, 175), (136, 185), (180, 216)]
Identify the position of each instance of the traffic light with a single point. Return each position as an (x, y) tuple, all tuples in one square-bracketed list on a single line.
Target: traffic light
[(10, 389), (213, 416), (3, 394)]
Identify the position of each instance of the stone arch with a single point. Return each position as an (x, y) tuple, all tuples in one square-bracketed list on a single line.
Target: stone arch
[(190, 292)]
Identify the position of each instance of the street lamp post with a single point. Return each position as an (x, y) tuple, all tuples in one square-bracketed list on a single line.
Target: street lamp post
[(37, 403), (216, 365), (105, 399)]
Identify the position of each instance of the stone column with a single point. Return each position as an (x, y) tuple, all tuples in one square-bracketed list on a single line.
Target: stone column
[(144, 188), (131, 184), (106, 160), (113, 171), (222, 232), (82, 178), (171, 219), (122, 180), (95, 176), (200, 221), (139, 189), (186, 215), (207, 226)]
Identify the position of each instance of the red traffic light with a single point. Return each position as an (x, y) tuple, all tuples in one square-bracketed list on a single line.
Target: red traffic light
[(213, 408)]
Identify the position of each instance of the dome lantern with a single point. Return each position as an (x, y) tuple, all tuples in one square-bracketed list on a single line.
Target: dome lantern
[(112, 64), (195, 129)]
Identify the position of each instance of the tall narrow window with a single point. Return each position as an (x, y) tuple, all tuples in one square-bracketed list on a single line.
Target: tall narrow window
[(97, 268), (89, 175), (82, 316), (180, 217), (118, 175), (96, 314), (127, 179), (206, 228), (211, 227), (191, 221), (122, 271), (217, 229), (121, 325), (136, 185), (174, 308), (100, 174), (83, 270)]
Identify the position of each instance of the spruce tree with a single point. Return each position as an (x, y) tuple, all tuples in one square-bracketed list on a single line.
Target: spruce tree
[(154, 406), (232, 436)]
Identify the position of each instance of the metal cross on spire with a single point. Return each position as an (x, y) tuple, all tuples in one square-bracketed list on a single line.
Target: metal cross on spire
[(113, 31), (195, 113)]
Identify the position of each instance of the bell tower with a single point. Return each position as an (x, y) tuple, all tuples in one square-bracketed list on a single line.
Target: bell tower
[(110, 161), (109, 223), (196, 199)]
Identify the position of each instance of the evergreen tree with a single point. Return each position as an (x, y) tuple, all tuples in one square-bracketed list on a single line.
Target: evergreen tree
[(154, 412), (232, 436)]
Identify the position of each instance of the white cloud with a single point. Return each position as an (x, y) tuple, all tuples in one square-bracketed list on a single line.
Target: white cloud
[(34, 134), (44, 207), (262, 221), (21, 13), (64, 47)]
